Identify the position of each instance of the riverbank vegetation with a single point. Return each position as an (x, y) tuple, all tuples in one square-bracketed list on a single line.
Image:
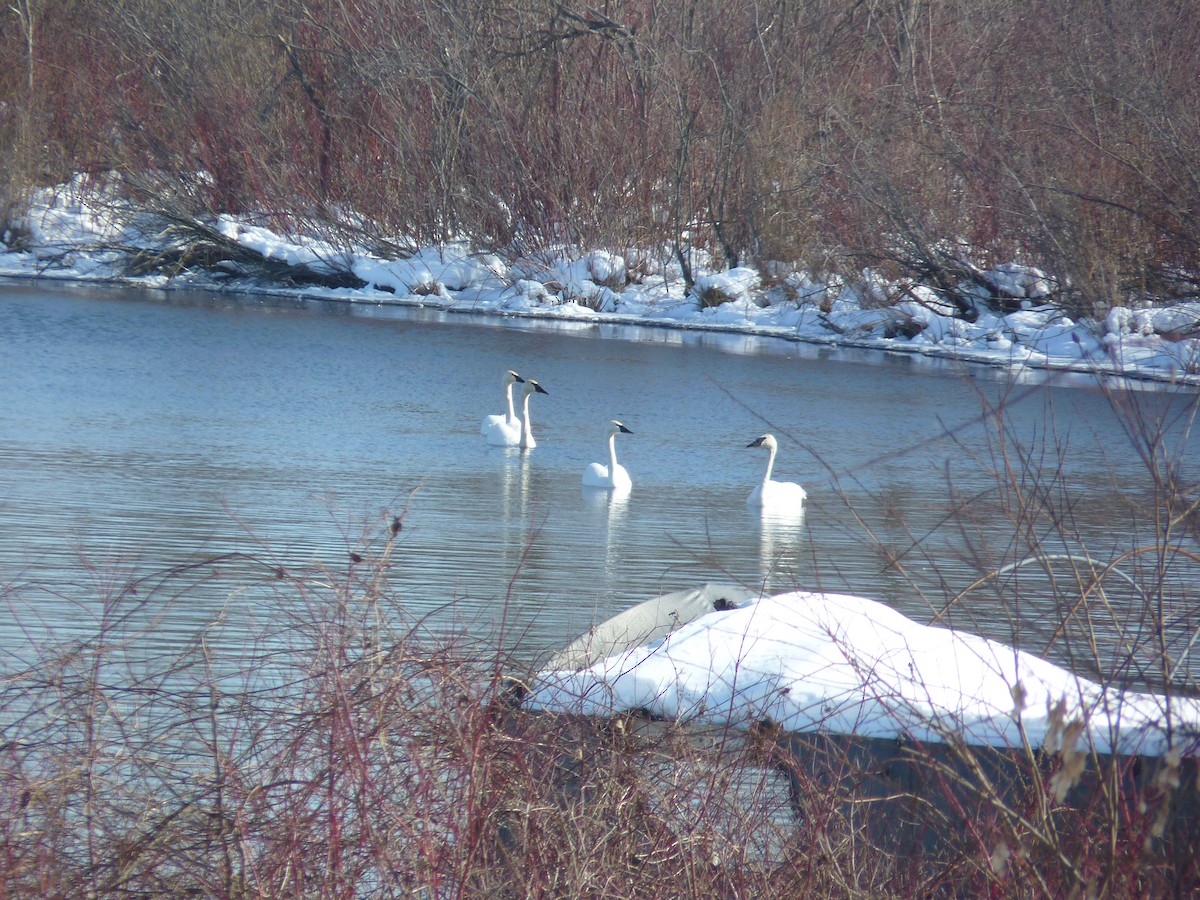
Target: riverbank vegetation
[(351, 747), (353, 752), (931, 142)]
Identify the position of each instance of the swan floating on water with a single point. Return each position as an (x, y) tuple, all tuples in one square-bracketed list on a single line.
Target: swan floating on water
[(612, 477), (775, 496), (531, 388), (504, 430)]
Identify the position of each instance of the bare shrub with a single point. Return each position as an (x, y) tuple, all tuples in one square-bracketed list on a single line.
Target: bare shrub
[(827, 135), (350, 749), (710, 295)]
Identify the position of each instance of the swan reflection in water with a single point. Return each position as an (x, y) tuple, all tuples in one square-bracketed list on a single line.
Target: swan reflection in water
[(607, 505), (515, 468), (515, 504), (609, 509), (780, 536)]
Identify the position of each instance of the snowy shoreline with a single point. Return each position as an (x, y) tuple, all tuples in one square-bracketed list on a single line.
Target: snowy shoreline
[(988, 359), (68, 238)]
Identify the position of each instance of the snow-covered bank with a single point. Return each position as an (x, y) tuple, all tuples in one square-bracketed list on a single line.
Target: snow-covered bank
[(66, 236), (848, 665)]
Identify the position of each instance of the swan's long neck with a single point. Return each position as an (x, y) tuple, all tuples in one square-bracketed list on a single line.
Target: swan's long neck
[(612, 454), (770, 464), (527, 426), (512, 413)]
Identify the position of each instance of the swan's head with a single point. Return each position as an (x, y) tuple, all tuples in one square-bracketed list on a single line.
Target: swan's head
[(532, 387), (618, 428), (511, 377), (765, 440)]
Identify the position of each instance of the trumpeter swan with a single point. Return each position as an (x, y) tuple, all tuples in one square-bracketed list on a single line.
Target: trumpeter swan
[(613, 476), (531, 388), (504, 430), (777, 496)]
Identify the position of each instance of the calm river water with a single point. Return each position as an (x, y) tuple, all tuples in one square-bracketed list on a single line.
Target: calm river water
[(141, 431)]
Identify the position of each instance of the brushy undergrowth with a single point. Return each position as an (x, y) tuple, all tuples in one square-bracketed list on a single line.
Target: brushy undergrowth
[(829, 135), (350, 750)]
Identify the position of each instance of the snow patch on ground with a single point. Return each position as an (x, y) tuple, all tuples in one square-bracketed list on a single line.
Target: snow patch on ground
[(810, 661), (66, 235)]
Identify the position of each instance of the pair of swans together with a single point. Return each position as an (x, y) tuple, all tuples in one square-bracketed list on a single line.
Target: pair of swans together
[(507, 430)]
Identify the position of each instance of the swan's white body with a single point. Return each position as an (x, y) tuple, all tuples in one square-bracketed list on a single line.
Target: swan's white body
[(775, 496), (531, 388), (504, 430), (612, 477)]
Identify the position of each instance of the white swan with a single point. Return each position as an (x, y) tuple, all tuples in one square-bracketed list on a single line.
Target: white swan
[(612, 477), (504, 430), (531, 388), (775, 496)]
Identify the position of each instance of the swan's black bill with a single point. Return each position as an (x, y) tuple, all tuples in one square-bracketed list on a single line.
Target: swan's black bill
[(623, 429), (537, 387), (757, 442)]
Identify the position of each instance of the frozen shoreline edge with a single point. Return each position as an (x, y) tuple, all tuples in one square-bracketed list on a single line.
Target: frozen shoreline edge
[(1090, 368)]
